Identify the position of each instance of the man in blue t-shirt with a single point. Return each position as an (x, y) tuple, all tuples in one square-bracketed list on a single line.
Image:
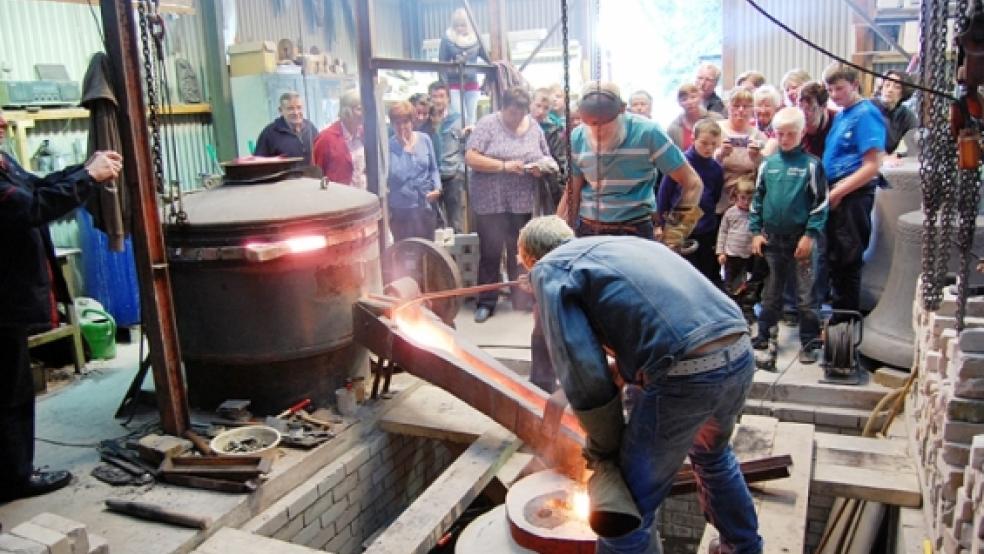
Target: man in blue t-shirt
[(854, 149), (616, 157)]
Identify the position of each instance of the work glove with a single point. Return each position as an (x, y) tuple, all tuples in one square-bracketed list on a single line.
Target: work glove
[(680, 222), (613, 511)]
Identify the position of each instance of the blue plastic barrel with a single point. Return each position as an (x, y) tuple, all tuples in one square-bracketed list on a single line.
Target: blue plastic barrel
[(110, 277)]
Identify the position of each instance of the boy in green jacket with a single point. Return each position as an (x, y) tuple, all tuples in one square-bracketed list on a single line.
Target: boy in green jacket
[(788, 212)]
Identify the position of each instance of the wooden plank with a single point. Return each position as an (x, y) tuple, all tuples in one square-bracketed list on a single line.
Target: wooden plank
[(58, 114), (434, 413), (420, 526), (877, 485), (228, 540), (879, 470), (782, 511), (886, 447)]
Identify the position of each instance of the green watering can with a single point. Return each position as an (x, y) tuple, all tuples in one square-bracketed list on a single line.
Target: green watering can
[(99, 330)]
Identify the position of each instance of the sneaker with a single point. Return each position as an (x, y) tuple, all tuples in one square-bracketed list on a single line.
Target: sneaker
[(482, 314), (808, 356), (760, 343)]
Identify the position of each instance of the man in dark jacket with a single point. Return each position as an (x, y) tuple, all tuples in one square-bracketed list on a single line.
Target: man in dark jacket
[(445, 131), (290, 135), (30, 284)]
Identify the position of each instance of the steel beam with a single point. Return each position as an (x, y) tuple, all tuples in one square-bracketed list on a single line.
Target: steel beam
[(479, 380), (424, 65), (122, 45)]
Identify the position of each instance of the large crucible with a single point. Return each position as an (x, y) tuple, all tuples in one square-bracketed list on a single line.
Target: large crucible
[(264, 277)]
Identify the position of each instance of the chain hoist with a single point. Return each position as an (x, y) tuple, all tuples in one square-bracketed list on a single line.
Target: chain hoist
[(950, 159), (937, 155), (152, 33), (966, 119), (569, 191)]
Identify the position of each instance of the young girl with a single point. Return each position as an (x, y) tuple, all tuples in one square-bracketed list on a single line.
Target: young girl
[(734, 242)]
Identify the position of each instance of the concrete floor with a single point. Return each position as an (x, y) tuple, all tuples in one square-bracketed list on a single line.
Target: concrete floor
[(80, 414)]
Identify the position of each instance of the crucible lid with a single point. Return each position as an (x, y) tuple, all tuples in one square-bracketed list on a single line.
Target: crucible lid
[(287, 200)]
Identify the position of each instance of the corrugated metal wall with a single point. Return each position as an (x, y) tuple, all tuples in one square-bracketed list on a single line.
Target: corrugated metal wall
[(520, 15), (295, 20), (71, 36), (760, 44)]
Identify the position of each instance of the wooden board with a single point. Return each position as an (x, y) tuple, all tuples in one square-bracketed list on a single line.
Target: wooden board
[(433, 413), (783, 503), (419, 527), (878, 470)]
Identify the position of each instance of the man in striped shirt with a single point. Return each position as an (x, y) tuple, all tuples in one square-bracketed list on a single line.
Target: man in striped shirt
[(616, 157)]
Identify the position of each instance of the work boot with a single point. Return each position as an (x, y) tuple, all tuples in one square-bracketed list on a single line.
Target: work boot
[(808, 355), (760, 343), (40, 482)]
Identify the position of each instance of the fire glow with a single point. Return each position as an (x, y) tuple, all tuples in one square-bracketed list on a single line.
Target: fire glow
[(580, 504), (308, 243), (413, 324)]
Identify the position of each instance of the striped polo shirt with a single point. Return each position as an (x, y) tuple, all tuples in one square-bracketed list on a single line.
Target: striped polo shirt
[(620, 184)]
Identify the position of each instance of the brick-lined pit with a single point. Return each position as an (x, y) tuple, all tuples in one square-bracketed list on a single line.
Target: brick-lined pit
[(351, 498)]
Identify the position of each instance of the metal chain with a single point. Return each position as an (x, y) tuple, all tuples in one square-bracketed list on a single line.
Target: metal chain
[(970, 198), (937, 155), (568, 183), (153, 119)]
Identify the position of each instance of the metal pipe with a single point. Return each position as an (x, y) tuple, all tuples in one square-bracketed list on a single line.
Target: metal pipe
[(425, 65), (541, 45)]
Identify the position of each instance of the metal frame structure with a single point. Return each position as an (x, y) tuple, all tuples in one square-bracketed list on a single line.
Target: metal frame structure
[(157, 306), (369, 67)]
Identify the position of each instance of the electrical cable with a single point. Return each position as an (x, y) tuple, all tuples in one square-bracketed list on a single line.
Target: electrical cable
[(830, 54)]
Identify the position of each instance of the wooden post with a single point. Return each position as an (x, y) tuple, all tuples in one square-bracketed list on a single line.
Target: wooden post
[(499, 47), (122, 45), (219, 91)]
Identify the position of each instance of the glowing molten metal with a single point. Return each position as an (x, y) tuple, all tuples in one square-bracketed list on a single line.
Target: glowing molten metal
[(421, 331), (581, 505)]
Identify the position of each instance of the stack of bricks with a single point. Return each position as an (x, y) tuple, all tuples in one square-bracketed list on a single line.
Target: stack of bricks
[(52, 534), (348, 500), (947, 403)]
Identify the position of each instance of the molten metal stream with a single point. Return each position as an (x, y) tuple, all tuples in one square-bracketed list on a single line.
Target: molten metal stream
[(422, 331)]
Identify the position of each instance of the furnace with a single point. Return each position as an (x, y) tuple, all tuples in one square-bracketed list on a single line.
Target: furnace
[(264, 279)]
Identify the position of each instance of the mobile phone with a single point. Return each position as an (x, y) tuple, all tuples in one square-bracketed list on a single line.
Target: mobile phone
[(738, 141)]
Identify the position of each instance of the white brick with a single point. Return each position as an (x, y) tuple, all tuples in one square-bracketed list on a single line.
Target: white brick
[(56, 542), (972, 340), (98, 545), (78, 538), (302, 501), (17, 545)]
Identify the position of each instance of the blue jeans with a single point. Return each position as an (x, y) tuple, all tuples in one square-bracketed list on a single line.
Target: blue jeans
[(783, 268), (689, 416)]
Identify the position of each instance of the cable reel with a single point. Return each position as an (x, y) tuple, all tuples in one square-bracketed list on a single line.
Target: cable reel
[(839, 356)]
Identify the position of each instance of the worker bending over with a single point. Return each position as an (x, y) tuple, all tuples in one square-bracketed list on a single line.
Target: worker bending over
[(672, 333)]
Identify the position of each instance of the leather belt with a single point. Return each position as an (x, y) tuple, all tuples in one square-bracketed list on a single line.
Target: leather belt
[(712, 360)]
